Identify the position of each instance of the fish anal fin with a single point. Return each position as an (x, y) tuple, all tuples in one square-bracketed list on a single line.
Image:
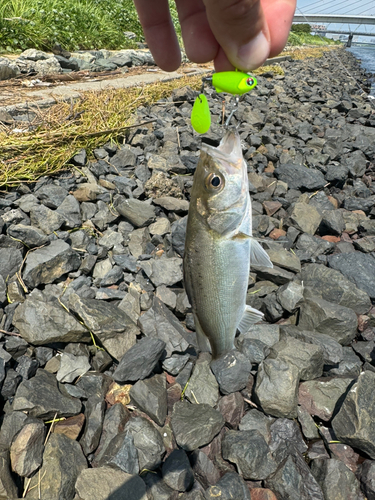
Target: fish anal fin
[(203, 342), (241, 236), (249, 318)]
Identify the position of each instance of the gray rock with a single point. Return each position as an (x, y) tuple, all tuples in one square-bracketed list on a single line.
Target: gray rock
[(307, 424), (177, 472), (121, 454), (27, 367), (48, 66), (332, 223), (148, 441), (8, 69), (94, 415), (46, 219), (40, 322), (366, 473), (349, 366), (175, 363), (274, 274), (160, 322), (268, 334), (72, 367), (163, 271), (139, 239), (10, 262), (27, 448), (290, 296), (286, 439), (71, 212), (325, 317), (12, 423), (202, 386), (150, 396), (293, 481), (276, 388), (280, 257), (320, 397), (63, 461), (178, 235), (139, 213), (195, 425), (33, 55), (230, 486), (300, 177), (139, 361), (331, 285), (354, 424), (204, 469), (250, 452), (49, 263), (255, 350), (105, 483), (306, 218), (232, 371), (232, 409), (8, 488), (308, 358), (336, 480), (42, 397), (172, 204), (113, 327), (256, 420), (30, 236), (358, 267)]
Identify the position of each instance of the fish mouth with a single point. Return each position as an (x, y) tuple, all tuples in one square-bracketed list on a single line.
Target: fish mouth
[(229, 150)]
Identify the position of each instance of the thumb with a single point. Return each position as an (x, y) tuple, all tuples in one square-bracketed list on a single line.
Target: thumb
[(240, 28)]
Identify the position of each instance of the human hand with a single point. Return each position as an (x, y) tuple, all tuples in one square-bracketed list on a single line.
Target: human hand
[(238, 34)]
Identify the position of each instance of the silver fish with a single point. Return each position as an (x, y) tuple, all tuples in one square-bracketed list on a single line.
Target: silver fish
[(219, 247)]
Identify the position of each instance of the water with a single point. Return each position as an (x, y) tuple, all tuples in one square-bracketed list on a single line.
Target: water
[(367, 56)]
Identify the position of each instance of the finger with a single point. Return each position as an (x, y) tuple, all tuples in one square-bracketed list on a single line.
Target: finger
[(199, 41), (279, 16), (159, 32)]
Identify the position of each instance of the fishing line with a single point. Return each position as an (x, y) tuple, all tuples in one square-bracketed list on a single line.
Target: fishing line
[(339, 61)]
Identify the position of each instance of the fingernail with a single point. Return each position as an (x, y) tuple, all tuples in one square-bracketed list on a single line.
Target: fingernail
[(253, 54)]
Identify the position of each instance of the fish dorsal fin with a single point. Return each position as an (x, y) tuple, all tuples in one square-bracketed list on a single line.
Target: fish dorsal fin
[(250, 316), (258, 256)]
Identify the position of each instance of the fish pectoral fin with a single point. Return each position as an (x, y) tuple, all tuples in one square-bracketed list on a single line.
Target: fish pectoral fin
[(250, 316), (258, 256)]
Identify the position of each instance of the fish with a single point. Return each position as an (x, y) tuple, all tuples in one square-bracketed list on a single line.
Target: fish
[(233, 82), (219, 247)]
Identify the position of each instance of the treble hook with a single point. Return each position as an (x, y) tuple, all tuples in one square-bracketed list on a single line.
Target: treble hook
[(235, 107)]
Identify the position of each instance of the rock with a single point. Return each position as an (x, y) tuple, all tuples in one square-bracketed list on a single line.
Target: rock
[(354, 424), (94, 414), (156, 487), (163, 271), (33, 55), (27, 448), (177, 473), (276, 388), (10, 262), (306, 218), (268, 334), (331, 285), (232, 409), (172, 204), (307, 424), (27, 367), (290, 296), (284, 259), (332, 223), (46, 219), (70, 427), (366, 475), (72, 367), (8, 489), (195, 425), (8, 69), (139, 239), (202, 386), (139, 213), (121, 453), (114, 422), (230, 486), (274, 274), (320, 397), (160, 227), (139, 361), (250, 452), (286, 439), (49, 263), (336, 480), (47, 66), (300, 177), (40, 322), (113, 327), (160, 322), (11, 425), (148, 442), (71, 212), (150, 396), (105, 483), (325, 317), (255, 420), (232, 371), (358, 267), (178, 235), (63, 461), (42, 397), (293, 479), (30, 236)]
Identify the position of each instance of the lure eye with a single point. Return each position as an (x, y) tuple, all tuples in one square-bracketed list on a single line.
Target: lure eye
[(214, 182), (250, 81)]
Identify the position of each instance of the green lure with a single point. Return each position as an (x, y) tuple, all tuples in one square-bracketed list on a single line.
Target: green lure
[(232, 82), (200, 115)]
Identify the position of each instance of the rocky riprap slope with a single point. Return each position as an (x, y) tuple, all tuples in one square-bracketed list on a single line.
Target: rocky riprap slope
[(36, 62), (96, 253)]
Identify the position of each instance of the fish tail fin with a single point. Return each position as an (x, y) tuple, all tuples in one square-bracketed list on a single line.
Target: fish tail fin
[(250, 316)]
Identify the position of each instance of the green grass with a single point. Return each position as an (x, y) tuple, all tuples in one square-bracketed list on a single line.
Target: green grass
[(75, 24), (308, 39)]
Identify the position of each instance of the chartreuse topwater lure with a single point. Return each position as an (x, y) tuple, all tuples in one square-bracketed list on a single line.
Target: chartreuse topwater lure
[(232, 82)]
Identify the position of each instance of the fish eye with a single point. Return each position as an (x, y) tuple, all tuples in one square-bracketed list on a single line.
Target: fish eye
[(214, 182), (250, 81)]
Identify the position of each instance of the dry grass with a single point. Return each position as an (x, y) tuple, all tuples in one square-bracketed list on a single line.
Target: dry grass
[(66, 128), (300, 53)]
